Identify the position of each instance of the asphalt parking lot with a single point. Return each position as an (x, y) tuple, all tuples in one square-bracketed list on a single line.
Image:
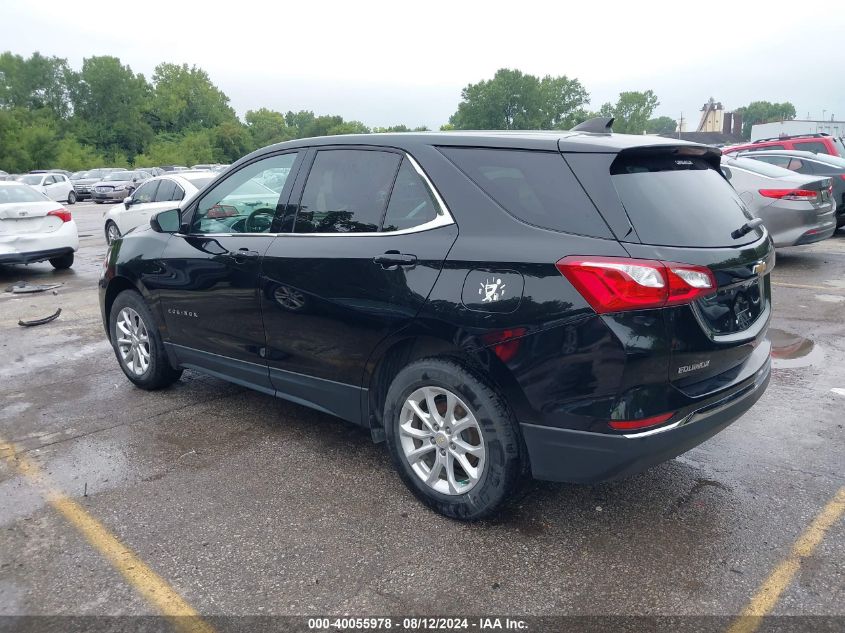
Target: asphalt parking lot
[(245, 505)]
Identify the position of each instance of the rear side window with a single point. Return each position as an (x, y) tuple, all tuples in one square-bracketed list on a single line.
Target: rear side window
[(676, 200), (535, 187), (346, 191), (411, 203), (165, 191), (811, 146)]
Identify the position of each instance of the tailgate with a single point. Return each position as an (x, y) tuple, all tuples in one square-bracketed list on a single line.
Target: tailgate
[(673, 204)]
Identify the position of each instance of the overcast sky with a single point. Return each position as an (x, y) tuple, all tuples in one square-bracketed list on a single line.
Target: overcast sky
[(386, 63)]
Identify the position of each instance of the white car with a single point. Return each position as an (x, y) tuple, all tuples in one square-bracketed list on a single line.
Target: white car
[(34, 228), (156, 194), (55, 186)]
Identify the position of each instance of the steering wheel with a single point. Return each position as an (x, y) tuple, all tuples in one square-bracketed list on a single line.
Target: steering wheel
[(251, 226)]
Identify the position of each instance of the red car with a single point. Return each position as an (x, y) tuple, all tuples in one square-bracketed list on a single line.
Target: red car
[(816, 143)]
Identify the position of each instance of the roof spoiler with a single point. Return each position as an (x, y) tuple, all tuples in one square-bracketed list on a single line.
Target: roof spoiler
[(597, 125)]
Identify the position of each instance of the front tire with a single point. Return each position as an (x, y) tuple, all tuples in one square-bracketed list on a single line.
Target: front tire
[(137, 343), (112, 232), (452, 439), (98, 201), (63, 262), (71, 197)]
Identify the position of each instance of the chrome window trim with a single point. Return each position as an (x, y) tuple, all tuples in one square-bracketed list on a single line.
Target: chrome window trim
[(444, 217)]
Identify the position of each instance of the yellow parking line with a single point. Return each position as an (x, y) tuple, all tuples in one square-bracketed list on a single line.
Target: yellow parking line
[(148, 583), (770, 591)]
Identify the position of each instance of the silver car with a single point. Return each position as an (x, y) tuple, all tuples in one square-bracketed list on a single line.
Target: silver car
[(795, 209), (117, 185)]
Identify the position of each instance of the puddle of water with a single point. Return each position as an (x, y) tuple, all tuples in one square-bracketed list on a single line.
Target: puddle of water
[(790, 350)]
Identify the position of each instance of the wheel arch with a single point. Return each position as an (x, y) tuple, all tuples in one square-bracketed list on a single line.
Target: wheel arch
[(409, 348), (118, 284)]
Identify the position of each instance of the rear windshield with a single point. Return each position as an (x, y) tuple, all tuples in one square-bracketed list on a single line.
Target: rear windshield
[(19, 193), (677, 200), (758, 167), (535, 187), (198, 181)]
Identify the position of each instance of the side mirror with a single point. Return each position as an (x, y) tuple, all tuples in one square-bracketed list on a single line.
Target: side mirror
[(166, 221), (128, 202)]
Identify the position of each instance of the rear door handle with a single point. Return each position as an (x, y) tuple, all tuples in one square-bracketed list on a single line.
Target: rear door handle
[(392, 260)]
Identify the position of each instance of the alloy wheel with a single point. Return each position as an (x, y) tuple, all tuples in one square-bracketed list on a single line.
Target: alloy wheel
[(133, 342), (112, 232), (442, 440)]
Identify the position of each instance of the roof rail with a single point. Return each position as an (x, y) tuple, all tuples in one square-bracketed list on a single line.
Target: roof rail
[(788, 137), (596, 125)]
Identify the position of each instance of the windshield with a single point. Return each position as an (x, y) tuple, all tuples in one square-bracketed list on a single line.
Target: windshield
[(19, 193), (77, 175), (31, 180), (119, 175)]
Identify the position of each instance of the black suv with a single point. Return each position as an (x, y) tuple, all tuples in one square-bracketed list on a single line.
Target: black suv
[(574, 305)]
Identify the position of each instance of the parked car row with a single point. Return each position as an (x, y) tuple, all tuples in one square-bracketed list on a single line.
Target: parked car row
[(156, 194), (810, 166)]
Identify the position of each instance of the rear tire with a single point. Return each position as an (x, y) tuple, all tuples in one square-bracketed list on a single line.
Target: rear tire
[(98, 202), (63, 262), (71, 197), (138, 345), (472, 436)]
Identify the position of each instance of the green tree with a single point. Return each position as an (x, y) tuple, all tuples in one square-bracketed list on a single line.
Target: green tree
[(185, 98), (267, 127), (109, 103), (512, 100), (35, 83), (632, 111), (764, 112), (75, 156), (230, 141), (28, 139), (661, 125)]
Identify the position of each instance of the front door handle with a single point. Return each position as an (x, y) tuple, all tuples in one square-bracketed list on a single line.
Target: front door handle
[(243, 253), (392, 260)]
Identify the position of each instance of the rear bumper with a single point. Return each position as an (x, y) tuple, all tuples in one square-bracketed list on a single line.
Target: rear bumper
[(584, 457), (817, 234), (25, 248)]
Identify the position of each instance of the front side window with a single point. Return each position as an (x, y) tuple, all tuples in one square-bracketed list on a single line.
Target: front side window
[(411, 203), (346, 191), (146, 192), (165, 191), (245, 202)]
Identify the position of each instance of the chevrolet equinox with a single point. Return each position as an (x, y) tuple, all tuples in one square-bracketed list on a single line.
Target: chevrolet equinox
[(575, 305)]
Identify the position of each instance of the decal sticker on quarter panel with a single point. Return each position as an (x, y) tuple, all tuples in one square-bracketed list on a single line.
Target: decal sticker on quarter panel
[(490, 290)]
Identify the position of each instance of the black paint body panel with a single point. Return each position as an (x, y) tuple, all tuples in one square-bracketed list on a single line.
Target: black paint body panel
[(564, 370)]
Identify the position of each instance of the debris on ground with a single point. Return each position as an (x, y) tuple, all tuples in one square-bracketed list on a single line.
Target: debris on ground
[(24, 287), (52, 317)]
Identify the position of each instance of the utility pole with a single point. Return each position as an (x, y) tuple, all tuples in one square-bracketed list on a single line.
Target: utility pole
[(680, 124)]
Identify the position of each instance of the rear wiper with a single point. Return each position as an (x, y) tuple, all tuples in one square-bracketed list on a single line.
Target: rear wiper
[(746, 228)]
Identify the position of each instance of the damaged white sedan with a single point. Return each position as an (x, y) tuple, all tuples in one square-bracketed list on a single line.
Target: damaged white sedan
[(34, 228)]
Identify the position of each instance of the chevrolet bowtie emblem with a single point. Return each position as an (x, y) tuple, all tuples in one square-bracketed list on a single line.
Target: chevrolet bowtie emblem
[(759, 268)]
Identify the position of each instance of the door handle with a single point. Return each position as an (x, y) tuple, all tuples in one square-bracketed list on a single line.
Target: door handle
[(243, 253), (392, 260)]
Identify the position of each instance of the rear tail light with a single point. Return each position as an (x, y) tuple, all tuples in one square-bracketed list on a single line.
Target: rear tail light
[(643, 423), (790, 194), (614, 284), (61, 213)]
